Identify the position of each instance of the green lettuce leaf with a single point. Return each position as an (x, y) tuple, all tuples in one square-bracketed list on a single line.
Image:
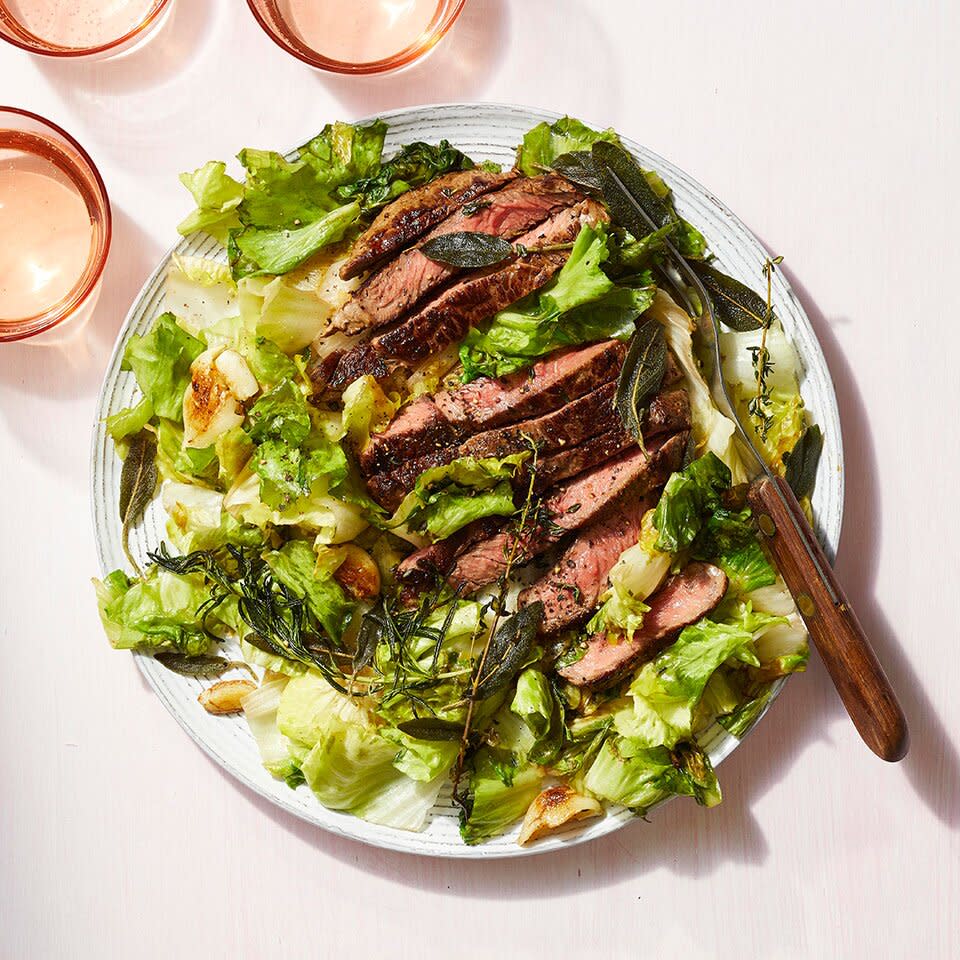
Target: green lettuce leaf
[(580, 305), (156, 613), (534, 701), (688, 498), (446, 498), (666, 691), (217, 197), (259, 250), (160, 360), (501, 788), (547, 141), (295, 566), (638, 776)]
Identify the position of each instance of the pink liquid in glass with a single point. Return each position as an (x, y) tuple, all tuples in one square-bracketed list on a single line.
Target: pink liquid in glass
[(46, 232), (79, 23), (360, 31)]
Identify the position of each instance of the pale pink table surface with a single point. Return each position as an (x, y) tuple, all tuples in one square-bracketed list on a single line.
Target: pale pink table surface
[(833, 131)]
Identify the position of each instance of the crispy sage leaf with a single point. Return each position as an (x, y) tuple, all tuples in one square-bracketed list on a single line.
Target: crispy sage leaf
[(802, 461), (508, 649), (368, 637), (138, 481), (204, 667), (579, 167), (431, 728), (641, 376), (467, 250), (737, 306), (611, 158)]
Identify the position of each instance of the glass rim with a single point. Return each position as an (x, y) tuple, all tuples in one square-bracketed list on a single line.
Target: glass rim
[(64, 52), (20, 329), (400, 59)]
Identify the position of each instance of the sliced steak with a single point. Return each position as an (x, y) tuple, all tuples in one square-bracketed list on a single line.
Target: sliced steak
[(438, 558), (407, 279), (547, 385), (682, 600), (431, 423), (561, 428), (668, 413), (571, 590), (415, 212), (448, 316), (574, 505)]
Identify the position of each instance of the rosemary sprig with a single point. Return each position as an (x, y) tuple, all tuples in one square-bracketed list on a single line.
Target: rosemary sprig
[(759, 405), (512, 553)]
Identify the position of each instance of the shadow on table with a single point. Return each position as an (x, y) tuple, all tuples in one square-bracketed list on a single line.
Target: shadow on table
[(458, 68), (35, 378), (932, 765), (163, 55)]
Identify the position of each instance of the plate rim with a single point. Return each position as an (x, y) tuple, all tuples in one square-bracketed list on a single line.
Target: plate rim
[(400, 840)]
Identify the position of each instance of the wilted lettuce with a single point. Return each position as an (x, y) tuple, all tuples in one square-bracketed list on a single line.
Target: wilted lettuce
[(627, 772), (446, 498), (160, 361), (501, 787), (287, 210), (580, 305), (158, 612), (547, 141)]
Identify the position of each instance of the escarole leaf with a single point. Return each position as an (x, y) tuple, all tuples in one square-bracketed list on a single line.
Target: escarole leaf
[(802, 462), (547, 141), (641, 375), (509, 648), (467, 250), (138, 481), (737, 306)]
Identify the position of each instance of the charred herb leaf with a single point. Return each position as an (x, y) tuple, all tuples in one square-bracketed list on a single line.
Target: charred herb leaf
[(579, 167), (138, 481), (802, 461), (368, 638), (613, 159), (430, 728), (204, 667), (467, 250), (509, 648), (736, 305), (641, 375)]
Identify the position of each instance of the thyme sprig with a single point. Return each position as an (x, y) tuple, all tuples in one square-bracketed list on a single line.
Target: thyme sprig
[(759, 405), (529, 511)]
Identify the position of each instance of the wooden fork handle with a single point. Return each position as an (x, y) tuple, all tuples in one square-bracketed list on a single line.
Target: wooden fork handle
[(830, 620)]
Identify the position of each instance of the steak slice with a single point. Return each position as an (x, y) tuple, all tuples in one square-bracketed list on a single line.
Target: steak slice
[(407, 279), (438, 558), (415, 212), (571, 590), (574, 505), (682, 600), (553, 431), (668, 413), (431, 423), (448, 316)]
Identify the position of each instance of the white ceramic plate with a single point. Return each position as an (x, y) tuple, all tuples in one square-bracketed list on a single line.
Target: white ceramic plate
[(484, 132)]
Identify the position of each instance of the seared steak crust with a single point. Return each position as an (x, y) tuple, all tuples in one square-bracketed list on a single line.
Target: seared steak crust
[(448, 316), (415, 212), (411, 276)]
